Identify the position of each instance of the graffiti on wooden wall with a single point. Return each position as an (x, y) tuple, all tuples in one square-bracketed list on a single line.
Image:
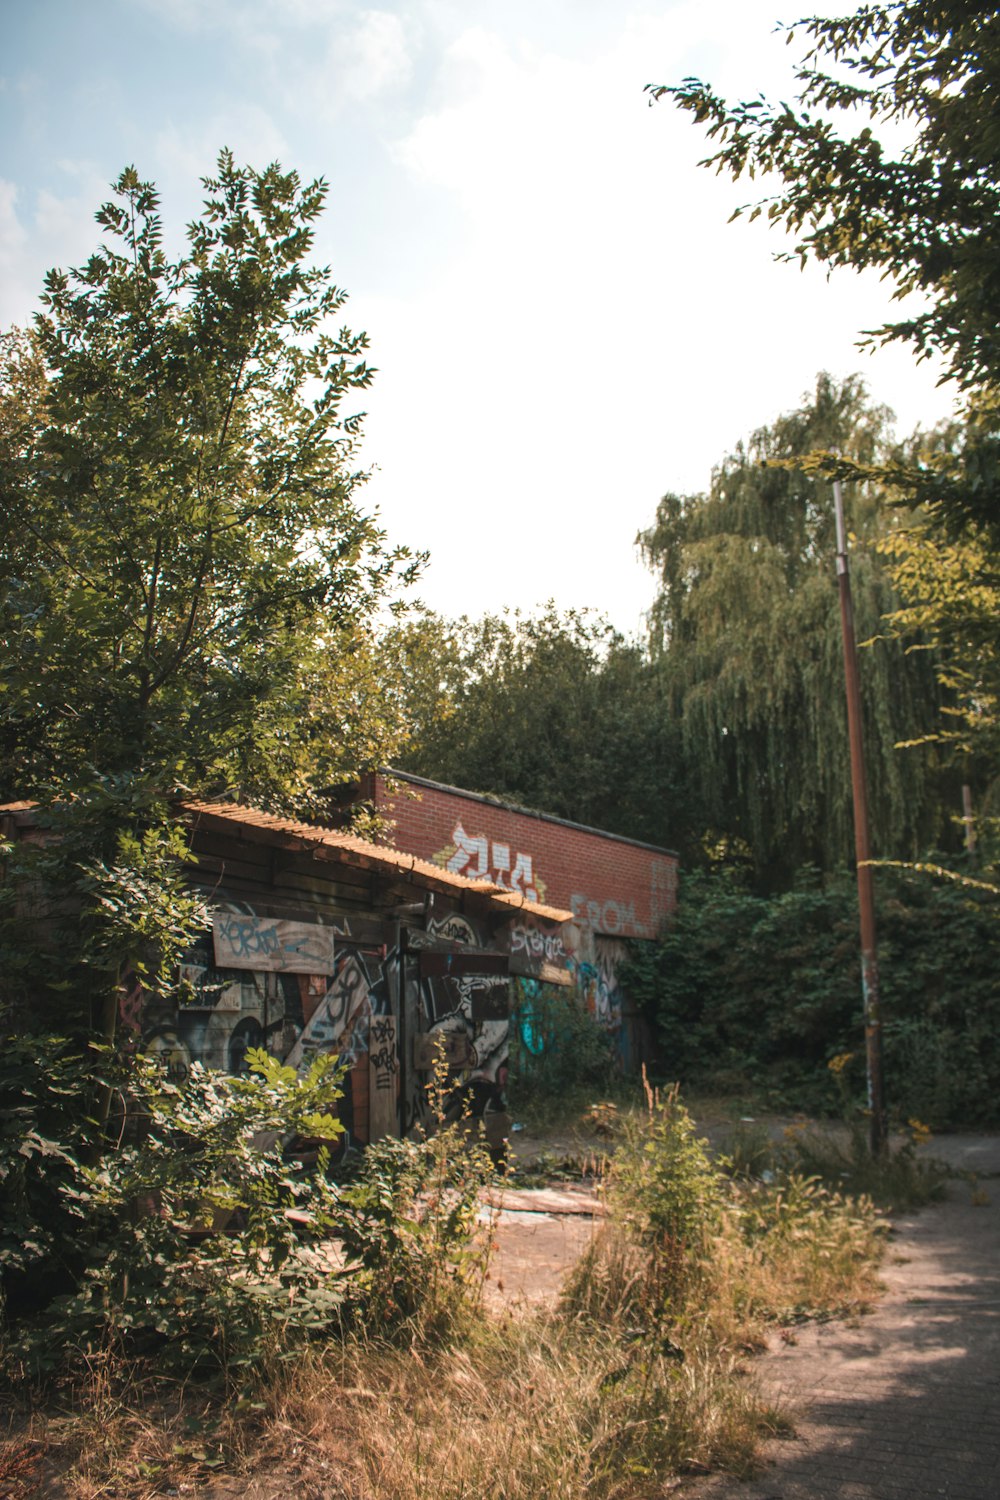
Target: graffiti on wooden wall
[(350, 1009), (267, 944)]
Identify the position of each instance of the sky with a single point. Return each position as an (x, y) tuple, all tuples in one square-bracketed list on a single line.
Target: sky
[(565, 325)]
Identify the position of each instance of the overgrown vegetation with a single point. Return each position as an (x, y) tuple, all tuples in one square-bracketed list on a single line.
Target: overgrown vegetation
[(401, 1383), (198, 1242), (755, 994), (561, 1059)]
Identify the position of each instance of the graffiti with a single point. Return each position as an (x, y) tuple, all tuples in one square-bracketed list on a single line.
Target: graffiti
[(246, 1034), (469, 1009), (454, 928), (243, 942), (528, 1018), (604, 995), (340, 1021), (359, 1008), (605, 916), (171, 1053), (382, 1053), (466, 850), (542, 945), (476, 859)]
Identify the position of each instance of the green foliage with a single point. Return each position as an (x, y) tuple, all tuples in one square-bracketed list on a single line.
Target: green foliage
[(759, 993), (409, 1226), (664, 1187), (47, 1134), (927, 216), (797, 1222), (950, 602), (185, 573), (746, 629), (691, 1249), (199, 1242), (100, 898), (554, 711), (897, 1181), (152, 1266), (556, 1046)]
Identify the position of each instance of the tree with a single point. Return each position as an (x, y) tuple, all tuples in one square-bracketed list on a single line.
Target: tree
[(185, 572), (950, 600), (746, 629), (187, 579), (555, 711), (928, 217)]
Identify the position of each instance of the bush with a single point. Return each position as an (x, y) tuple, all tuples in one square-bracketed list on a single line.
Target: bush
[(558, 1052), (758, 994), (690, 1250), (151, 1267), (409, 1227), (48, 1222)]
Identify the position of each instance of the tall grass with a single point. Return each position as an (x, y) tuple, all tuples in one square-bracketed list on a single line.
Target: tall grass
[(639, 1374), (539, 1407), (688, 1243)]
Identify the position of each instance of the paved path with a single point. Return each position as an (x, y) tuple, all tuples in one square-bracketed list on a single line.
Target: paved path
[(905, 1403)]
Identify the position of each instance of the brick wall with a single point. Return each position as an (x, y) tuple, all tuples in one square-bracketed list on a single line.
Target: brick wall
[(612, 885)]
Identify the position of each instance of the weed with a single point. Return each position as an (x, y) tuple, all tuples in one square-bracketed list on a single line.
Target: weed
[(687, 1243), (895, 1181), (527, 1408)]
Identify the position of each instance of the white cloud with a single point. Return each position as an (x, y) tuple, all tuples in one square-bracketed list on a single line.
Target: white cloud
[(595, 334), (564, 324), (48, 230), (376, 55), (12, 234)]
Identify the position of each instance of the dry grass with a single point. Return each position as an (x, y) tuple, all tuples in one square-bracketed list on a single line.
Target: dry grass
[(528, 1408), (638, 1376)]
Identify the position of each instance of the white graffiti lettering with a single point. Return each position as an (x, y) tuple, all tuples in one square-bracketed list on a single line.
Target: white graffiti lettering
[(466, 850), (546, 945), (607, 916), (477, 859)]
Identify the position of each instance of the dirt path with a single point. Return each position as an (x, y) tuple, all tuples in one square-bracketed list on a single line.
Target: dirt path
[(905, 1403), (538, 1234)]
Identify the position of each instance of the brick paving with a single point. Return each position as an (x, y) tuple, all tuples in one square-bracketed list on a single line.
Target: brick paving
[(903, 1404)]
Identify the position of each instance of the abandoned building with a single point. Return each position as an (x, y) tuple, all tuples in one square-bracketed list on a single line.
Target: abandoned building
[(615, 888), (392, 956), (322, 942)]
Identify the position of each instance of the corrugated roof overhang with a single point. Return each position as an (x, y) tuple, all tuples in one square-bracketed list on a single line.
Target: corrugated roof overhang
[(333, 844)]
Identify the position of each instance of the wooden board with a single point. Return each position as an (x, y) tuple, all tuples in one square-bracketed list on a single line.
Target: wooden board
[(452, 1046), (460, 963), (383, 1077), (270, 945)]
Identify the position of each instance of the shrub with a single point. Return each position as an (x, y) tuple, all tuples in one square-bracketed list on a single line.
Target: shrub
[(688, 1246), (754, 993), (410, 1231), (153, 1269)]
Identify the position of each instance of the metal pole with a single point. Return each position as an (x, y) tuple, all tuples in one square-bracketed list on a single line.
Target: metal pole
[(862, 846)]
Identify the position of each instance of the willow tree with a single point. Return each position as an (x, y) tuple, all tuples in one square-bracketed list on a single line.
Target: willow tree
[(747, 633)]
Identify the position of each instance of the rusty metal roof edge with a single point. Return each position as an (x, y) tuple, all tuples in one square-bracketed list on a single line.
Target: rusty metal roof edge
[(377, 854)]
